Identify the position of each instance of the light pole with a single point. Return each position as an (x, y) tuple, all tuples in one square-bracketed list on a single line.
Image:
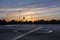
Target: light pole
[(19, 15)]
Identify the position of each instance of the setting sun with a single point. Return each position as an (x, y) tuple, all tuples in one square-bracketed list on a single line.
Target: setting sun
[(30, 18)]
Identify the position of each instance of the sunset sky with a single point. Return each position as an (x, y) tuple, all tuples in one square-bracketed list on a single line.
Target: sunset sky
[(30, 9)]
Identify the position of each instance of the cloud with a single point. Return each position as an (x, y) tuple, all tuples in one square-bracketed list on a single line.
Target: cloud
[(29, 3), (26, 12), (37, 8), (30, 10)]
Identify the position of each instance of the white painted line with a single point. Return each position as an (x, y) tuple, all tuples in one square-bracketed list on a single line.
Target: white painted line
[(20, 36)]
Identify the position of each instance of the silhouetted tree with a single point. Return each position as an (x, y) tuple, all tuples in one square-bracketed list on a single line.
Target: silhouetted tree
[(3, 22)]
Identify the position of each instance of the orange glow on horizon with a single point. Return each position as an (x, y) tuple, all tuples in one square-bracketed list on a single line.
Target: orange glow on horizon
[(27, 18)]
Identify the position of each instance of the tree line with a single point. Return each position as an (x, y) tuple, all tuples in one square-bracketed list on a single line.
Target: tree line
[(4, 22)]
